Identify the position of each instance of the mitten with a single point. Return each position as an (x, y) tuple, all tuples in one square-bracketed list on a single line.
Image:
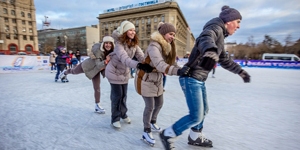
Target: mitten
[(145, 67), (245, 76), (210, 58), (184, 71)]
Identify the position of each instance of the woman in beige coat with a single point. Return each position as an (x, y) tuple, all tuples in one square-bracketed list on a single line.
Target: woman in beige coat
[(161, 55), (93, 66)]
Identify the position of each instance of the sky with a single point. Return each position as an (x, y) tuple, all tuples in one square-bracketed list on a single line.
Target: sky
[(276, 18)]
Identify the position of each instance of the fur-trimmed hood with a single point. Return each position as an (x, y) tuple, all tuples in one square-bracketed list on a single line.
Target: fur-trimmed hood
[(168, 49)]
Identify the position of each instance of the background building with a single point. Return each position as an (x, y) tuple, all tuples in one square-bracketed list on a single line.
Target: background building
[(79, 38), (18, 27), (146, 16)]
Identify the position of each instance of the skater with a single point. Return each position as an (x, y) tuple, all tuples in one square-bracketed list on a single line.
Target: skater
[(214, 71), (78, 56), (52, 61), (160, 54), (93, 66), (207, 51), (118, 69), (61, 63)]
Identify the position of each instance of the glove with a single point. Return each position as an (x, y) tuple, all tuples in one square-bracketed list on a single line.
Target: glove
[(184, 71), (145, 67), (210, 58), (245, 76)]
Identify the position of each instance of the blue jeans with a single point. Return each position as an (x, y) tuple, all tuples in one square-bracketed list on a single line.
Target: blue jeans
[(195, 94)]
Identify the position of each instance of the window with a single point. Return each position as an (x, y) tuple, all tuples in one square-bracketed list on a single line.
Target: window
[(149, 21), (22, 14), (30, 30), (14, 20), (29, 15), (30, 23), (136, 22), (23, 22), (155, 19), (6, 28), (4, 11), (15, 36), (116, 24), (6, 20), (162, 18), (13, 48), (15, 29), (142, 20), (28, 48), (31, 38), (24, 29), (13, 12), (24, 37), (7, 36)]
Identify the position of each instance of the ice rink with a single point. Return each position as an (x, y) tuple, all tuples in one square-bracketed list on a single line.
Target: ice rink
[(39, 114)]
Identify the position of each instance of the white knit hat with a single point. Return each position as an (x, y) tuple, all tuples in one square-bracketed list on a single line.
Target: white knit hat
[(107, 39), (125, 26)]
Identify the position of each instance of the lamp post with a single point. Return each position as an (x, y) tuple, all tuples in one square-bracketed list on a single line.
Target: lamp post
[(65, 37)]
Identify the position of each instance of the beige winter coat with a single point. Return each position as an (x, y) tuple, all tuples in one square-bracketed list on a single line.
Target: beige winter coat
[(117, 70), (151, 84), (52, 57), (93, 65)]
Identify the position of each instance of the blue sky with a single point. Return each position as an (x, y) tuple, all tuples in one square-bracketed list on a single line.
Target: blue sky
[(276, 18)]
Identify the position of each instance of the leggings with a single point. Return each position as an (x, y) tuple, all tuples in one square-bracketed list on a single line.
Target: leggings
[(96, 80)]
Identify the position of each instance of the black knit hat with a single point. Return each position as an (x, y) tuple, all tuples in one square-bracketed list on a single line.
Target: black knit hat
[(164, 28), (229, 14)]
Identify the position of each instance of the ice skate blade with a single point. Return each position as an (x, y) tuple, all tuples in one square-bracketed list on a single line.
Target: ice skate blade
[(98, 112), (148, 143), (197, 144)]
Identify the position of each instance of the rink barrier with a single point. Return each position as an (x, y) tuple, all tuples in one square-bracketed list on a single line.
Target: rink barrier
[(259, 63), (21, 63)]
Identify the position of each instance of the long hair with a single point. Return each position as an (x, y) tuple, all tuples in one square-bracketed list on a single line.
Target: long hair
[(130, 42), (171, 58), (106, 52)]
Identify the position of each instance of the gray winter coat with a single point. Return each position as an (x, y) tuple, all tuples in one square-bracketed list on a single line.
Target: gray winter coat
[(212, 36), (151, 84), (117, 70), (93, 66)]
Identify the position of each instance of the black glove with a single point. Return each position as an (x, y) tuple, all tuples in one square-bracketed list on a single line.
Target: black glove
[(184, 71), (210, 58), (245, 76), (145, 67)]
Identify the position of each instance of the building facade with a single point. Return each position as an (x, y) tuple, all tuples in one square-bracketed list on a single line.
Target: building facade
[(79, 38), (18, 27), (146, 16)]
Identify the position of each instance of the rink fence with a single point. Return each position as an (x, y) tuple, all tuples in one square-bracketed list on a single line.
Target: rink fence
[(21, 63)]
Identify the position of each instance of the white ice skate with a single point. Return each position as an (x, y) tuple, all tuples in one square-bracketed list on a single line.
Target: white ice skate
[(148, 138), (99, 109), (155, 127)]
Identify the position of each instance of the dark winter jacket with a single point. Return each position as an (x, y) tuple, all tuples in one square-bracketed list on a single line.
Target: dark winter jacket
[(212, 37), (61, 57)]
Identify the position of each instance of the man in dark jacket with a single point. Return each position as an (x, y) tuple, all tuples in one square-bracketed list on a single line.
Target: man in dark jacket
[(208, 50), (61, 62)]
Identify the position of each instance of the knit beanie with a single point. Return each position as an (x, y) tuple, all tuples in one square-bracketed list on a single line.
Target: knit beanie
[(164, 28), (107, 39), (125, 26), (229, 14)]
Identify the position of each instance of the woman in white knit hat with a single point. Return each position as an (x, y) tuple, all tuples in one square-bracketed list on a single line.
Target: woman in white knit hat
[(93, 66), (118, 69)]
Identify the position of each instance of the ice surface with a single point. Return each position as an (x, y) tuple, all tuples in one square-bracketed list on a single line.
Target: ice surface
[(38, 114)]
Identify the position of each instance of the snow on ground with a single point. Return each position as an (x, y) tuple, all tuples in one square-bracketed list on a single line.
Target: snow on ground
[(38, 114)]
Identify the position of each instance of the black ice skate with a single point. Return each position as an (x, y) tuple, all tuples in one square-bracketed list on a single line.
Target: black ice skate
[(167, 141), (200, 141), (148, 138)]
